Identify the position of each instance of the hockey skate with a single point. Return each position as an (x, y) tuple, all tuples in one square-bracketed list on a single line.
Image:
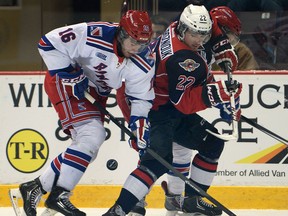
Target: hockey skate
[(195, 205), (139, 209), (58, 200), (115, 210), (31, 193), (173, 202)]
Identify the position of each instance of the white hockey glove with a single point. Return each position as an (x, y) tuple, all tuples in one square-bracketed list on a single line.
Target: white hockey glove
[(220, 92), (140, 126), (75, 83)]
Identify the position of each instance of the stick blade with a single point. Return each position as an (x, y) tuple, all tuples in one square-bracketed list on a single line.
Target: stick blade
[(15, 195), (224, 137)]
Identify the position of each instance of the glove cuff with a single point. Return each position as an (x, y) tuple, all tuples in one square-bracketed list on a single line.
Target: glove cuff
[(205, 96)]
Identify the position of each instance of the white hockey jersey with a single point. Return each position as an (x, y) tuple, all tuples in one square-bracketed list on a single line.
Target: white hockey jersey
[(92, 46)]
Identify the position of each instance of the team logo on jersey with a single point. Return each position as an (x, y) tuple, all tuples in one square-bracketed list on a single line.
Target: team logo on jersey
[(101, 56), (189, 65), (81, 106), (96, 31)]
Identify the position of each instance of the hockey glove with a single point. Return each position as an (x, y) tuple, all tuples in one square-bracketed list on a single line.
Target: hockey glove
[(220, 92), (225, 111), (74, 84), (140, 126), (224, 52)]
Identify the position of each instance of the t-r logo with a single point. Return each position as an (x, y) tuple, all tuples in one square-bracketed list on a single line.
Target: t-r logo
[(27, 150)]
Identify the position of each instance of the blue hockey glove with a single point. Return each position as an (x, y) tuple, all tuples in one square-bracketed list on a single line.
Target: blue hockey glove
[(225, 110), (74, 84), (140, 126)]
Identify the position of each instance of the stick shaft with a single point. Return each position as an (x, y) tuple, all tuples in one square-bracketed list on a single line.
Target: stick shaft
[(264, 130), (124, 7), (228, 71)]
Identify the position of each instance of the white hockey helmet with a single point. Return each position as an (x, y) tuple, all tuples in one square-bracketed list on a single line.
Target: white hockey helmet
[(196, 19)]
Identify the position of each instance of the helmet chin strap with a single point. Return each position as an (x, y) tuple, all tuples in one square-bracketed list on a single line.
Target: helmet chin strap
[(119, 44), (119, 49), (181, 31)]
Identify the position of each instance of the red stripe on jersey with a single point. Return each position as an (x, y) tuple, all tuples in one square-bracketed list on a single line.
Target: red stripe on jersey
[(147, 66), (143, 176), (42, 43), (103, 23), (93, 40)]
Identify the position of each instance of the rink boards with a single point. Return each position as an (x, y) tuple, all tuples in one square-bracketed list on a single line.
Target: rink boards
[(252, 172)]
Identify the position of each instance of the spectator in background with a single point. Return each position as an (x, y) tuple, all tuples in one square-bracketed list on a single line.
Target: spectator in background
[(159, 25), (257, 5), (235, 5), (85, 12), (231, 26), (172, 5)]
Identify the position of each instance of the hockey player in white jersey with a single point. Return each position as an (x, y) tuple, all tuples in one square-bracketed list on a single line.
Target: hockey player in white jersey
[(92, 57)]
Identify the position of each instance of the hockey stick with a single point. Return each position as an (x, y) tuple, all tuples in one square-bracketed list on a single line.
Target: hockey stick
[(158, 157), (14, 195), (125, 7), (234, 135), (264, 130)]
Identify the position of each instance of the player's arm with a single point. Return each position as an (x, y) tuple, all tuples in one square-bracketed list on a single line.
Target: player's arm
[(189, 90), (138, 121), (139, 95), (57, 49)]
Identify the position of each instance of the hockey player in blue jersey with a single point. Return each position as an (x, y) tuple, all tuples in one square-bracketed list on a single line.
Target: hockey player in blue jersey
[(95, 56)]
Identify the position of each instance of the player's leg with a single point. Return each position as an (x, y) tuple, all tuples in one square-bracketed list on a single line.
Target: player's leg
[(174, 188), (124, 105), (31, 192), (204, 164), (87, 138), (139, 182), (85, 123), (139, 208)]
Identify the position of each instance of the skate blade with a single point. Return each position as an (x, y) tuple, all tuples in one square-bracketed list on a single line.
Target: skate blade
[(48, 212), (172, 213), (134, 214), (15, 195), (190, 214), (179, 213)]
